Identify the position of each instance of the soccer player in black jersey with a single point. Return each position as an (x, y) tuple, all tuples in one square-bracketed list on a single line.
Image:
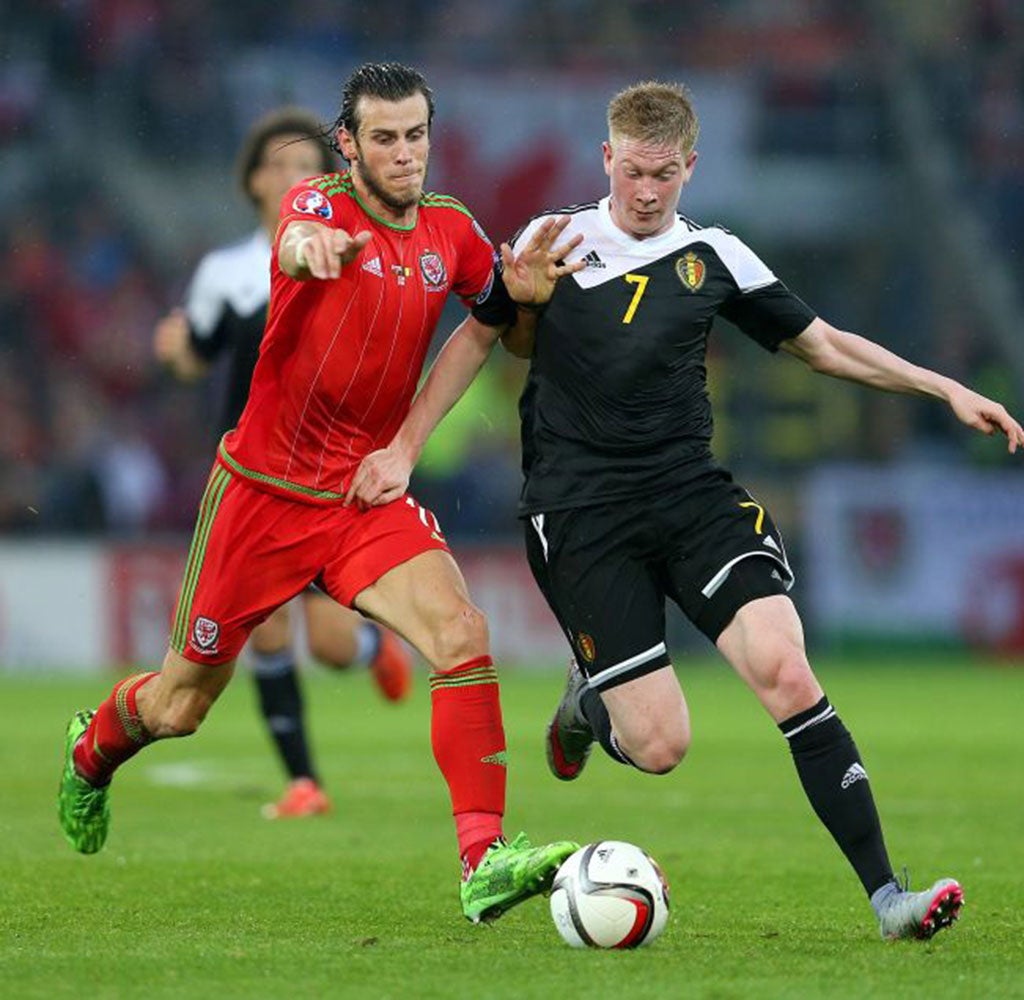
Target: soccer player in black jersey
[(224, 313), (623, 503)]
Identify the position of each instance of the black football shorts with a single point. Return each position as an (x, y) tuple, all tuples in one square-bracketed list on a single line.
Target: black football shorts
[(606, 570)]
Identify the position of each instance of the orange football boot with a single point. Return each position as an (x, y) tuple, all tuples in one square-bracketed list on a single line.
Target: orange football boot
[(302, 797), (392, 667)]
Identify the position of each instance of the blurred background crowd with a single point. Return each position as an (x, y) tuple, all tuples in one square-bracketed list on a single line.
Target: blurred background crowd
[(872, 154)]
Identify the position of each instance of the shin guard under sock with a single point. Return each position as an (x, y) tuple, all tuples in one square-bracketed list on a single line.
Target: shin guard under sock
[(115, 733), (468, 740), (836, 784)]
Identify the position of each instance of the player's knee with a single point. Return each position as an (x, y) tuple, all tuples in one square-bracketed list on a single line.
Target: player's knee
[(789, 683), (460, 635), (660, 752)]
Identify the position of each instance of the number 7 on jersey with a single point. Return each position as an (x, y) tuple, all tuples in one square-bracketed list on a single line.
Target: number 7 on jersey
[(640, 280)]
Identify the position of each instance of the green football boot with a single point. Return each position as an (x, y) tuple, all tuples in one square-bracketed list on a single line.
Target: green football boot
[(508, 874), (84, 809)]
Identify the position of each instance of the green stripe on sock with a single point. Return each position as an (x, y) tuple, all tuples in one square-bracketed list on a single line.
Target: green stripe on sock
[(483, 675)]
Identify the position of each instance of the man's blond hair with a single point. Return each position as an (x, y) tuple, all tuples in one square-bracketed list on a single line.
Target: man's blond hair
[(659, 114)]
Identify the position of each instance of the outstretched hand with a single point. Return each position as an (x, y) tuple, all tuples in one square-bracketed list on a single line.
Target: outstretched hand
[(325, 251), (382, 476), (986, 415), (170, 337), (531, 275)]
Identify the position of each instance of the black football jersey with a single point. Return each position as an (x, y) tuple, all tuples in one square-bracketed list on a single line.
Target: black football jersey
[(616, 403), (226, 306)]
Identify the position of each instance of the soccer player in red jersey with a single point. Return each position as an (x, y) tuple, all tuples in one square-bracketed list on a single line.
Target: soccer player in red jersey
[(361, 266), (225, 314)]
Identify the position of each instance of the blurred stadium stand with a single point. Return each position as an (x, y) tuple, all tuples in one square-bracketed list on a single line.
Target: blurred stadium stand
[(873, 154)]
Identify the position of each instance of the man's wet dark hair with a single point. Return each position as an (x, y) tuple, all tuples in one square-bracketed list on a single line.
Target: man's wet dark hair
[(389, 82), (283, 121)]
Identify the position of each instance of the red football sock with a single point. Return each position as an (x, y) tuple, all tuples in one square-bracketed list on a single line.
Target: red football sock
[(476, 832), (469, 747), (115, 733)]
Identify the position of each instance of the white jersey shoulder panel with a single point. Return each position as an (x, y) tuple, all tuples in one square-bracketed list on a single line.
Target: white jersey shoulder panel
[(235, 277), (611, 253)]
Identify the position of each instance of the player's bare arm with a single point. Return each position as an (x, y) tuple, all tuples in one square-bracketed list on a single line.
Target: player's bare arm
[(383, 475), (172, 347), (311, 250), (530, 277), (857, 359)]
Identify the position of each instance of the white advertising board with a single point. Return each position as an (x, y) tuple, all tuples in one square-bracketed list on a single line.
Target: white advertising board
[(51, 606), (89, 606), (915, 552)]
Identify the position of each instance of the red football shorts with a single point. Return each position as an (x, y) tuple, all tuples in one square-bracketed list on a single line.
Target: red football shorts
[(253, 551)]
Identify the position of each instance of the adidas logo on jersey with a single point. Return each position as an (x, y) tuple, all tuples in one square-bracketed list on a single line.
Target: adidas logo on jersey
[(373, 266), (854, 773), (592, 260)]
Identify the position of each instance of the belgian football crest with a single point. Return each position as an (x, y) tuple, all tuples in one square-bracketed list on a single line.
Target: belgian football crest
[(691, 270), (586, 645)]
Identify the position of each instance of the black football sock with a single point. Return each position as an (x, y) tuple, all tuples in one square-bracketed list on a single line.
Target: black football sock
[(837, 787), (593, 709), (281, 702)]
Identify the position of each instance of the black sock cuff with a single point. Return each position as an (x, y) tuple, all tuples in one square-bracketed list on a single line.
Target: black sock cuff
[(807, 719), (815, 727)]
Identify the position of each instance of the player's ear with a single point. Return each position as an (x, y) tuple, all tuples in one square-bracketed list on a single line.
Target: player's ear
[(348, 144), (689, 163), (606, 148)]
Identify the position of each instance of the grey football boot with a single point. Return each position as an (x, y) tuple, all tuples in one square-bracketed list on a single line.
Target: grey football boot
[(905, 914), (569, 736)]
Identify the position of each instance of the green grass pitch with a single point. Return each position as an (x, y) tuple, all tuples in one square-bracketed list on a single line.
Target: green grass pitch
[(196, 896)]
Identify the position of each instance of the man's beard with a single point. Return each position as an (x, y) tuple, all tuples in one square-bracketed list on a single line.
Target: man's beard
[(397, 203)]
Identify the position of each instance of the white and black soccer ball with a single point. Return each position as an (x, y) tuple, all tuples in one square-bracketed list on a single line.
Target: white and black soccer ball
[(609, 895)]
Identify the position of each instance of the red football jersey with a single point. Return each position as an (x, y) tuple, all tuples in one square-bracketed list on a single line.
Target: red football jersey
[(341, 359)]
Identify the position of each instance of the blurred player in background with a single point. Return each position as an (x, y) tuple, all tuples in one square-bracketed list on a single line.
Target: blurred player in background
[(624, 504), (225, 313), (362, 264)]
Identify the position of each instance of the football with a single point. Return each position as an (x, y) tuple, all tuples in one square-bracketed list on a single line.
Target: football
[(609, 895)]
